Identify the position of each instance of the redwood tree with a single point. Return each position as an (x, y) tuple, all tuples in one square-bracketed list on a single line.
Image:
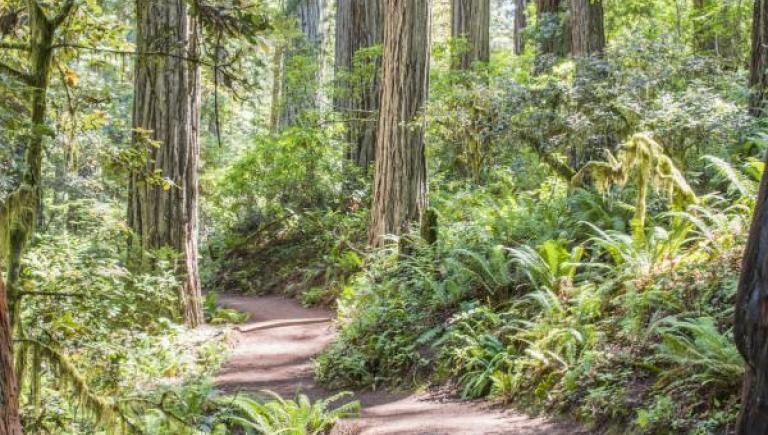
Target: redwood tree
[(551, 37), (301, 62), (471, 21), (587, 27), (758, 78), (751, 313), (751, 320), (400, 178), (359, 25), (166, 113)]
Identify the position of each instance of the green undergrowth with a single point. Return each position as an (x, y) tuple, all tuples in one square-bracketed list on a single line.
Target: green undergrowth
[(545, 298), (101, 348)]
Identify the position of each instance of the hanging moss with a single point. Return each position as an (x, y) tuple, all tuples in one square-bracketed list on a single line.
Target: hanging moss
[(17, 219), (644, 158)]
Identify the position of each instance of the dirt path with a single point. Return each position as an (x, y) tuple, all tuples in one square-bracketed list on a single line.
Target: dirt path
[(274, 352)]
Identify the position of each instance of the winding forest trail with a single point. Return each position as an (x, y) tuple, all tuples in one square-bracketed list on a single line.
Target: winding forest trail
[(274, 352)]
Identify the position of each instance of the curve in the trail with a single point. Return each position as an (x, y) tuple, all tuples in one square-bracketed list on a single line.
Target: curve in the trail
[(274, 352)]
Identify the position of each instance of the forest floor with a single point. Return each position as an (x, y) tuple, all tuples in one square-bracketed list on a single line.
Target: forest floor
[(274, 351)]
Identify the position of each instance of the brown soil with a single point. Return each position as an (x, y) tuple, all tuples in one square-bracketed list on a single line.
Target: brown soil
[(274, 352)]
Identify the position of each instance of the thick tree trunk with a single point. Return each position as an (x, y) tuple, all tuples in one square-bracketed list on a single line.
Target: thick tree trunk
[(471, 20), (9, 401), (520, 26), (167, 109), (587, 28), (551, 38), (758, 78), (302, 65), (400, 179), (25, 203), (751, 320), (359, 25)]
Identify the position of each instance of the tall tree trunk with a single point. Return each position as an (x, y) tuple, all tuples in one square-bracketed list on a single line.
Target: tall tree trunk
[(471, 20), (587, 28), (24, 204), (277, 71), (400, 178), (551, 37), (167, 109), (18, 215), (704, 33), (359, 25), (520, 26), (751, 311), (751, 320), (9, 401), (302, 65), (758, 78)]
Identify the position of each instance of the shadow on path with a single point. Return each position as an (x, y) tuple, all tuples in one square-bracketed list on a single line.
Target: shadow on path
[(274, 352)]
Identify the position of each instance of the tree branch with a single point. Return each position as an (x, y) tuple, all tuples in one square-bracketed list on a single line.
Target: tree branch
[(53, 294), (63, 14), (133, 53), (15, 73), (13, 46)]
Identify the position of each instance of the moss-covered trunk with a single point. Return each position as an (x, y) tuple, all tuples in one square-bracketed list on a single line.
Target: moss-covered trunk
[(9, 403)]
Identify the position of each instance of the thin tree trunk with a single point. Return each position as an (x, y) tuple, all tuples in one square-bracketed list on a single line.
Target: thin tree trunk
[(471, 20), (167, 109), (758, 78), (359, 26), (9, 401), (587, 28), (301, 79), (400, 178), (277, 71), (19, 213), (520, 26)]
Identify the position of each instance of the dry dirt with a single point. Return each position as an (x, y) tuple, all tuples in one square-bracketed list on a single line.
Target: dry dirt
[(274, 352)]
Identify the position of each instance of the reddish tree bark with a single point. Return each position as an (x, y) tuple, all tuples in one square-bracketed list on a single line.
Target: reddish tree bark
[(471, 20), (400, 178), (758, 78), (167, 107), (587, 28), (359, 25)]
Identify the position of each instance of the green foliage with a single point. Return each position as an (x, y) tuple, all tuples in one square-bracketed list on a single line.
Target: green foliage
[(698, 346), (216, 315), (292, 417)]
